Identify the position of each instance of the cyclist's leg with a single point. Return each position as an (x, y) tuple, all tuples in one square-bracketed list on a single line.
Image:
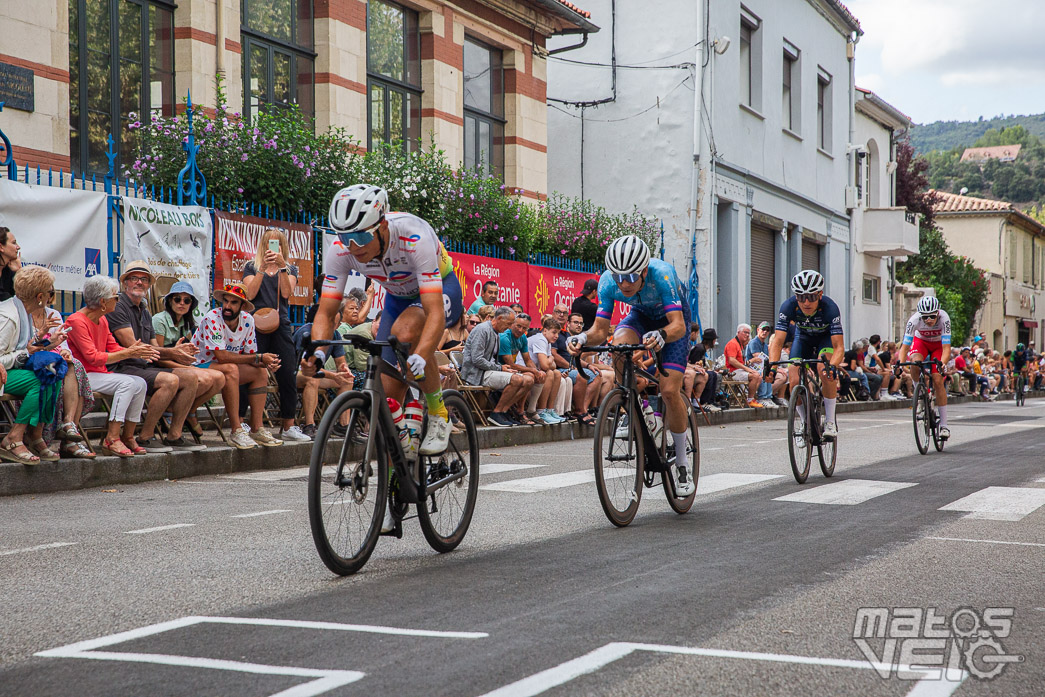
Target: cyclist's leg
[(828, 386), (390, 326), (629, 331)]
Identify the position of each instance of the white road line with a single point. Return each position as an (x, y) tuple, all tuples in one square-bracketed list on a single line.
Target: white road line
[(714, 483), (533, 485), (990, 542), (52, 545), (270, 475), (255, 515), (498, 467), (930, 686), (848, 492), (999, 503), (144, 531)]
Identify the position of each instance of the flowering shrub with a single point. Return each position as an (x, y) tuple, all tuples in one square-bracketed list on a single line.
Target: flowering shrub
[(279, 162)]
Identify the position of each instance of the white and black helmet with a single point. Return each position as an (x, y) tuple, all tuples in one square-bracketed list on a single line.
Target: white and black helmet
[(627, 254), (807, 281), (358, 207), (928, 305)]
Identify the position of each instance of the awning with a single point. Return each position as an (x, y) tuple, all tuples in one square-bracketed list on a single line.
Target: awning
[(1030, 323)]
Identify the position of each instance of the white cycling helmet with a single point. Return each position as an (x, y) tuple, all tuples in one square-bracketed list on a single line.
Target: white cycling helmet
[(807, 281), (627, 255), (358, 207), (928, 305)]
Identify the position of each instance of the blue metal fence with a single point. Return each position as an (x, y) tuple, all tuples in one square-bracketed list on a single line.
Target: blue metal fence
[(192, 190)]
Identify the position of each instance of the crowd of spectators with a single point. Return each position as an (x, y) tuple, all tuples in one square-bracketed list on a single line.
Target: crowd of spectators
[(154, 371)]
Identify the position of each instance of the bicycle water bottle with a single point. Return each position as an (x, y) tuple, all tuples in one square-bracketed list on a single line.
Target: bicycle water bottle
[(649, 416), (413, 418), (658, 422), (400, 422)]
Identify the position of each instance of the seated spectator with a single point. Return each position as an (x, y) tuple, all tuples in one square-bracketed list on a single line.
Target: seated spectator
[(174, 327), (544, 395), (484, 314), (91, 343), (869, 383), (225, 341), (708, 396), (964, 368), (454, 337), (694, 381), (709, 339), (172, 381), (874, 365), (336, 375), (487, 298), (480, 365), (10, 263), (517, 309), (739, 370), (34, 286), (355, 308), (755, 355), (355, 357), (75, 396), (514, 346), (586, 382)]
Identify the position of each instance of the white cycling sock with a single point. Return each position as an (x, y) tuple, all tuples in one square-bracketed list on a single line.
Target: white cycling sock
[(943, 415), (680, 447), (829, 410)]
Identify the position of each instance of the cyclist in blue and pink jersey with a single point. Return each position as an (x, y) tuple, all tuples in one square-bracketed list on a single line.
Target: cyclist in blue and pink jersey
[(402, 253), (660, 316), (928, 335)]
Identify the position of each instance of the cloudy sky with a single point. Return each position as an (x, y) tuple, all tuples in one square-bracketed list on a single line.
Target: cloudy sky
[(946, 60)]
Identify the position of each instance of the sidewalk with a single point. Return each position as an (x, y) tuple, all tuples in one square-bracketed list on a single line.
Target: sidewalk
[(65, 475)]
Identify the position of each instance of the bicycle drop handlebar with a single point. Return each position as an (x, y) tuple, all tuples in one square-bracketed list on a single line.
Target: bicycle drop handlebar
[(628, 348), (400, 349)]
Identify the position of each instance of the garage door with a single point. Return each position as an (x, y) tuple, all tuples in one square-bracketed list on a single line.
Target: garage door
[(810, 255), (763, 273)]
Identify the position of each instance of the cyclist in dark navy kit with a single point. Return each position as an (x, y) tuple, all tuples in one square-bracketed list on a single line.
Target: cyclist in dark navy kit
[(818, 330)]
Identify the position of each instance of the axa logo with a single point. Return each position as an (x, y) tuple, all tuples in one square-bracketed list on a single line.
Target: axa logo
[(92, 261)]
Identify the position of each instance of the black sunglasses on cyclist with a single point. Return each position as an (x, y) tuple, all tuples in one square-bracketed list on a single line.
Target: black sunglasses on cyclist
[(625, 277), (934, 316), (807, 297)]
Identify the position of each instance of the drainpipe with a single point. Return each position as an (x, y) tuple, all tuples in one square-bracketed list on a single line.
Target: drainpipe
[(219, 31), (854, 39), (699, 192)]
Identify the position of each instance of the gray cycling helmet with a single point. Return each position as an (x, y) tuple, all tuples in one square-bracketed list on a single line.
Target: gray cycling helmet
[(358, 207), (807, 281), (928, 305), (627, 254)]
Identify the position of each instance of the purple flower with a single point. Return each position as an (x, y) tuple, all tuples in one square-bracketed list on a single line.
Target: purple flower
[(243, 157), (239, 189), (511, 250)]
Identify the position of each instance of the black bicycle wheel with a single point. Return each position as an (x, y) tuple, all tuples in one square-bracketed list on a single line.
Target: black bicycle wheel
[(827, 453), (1021, 398), (920, 416), (345, 513), (934, 424), (619, 458), (798, 445), (447, 511), (681, 505)]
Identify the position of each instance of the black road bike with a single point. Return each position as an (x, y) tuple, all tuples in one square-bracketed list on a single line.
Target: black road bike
[(805, 421), (350, 482), (924, 412), (627, 456), (1021, 386)]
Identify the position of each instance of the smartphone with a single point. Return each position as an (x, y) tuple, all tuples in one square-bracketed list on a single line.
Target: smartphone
[(274, 246)]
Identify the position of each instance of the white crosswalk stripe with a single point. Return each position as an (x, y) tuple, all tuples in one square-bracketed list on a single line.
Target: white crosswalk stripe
[(849, 492), (532, 485), (499, 467), (714, 483), (999, 503)]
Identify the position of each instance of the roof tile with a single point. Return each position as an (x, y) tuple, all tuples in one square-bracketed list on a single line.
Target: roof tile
[(956, 203)]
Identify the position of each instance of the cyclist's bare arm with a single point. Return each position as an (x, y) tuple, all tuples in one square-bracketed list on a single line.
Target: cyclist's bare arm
[(776, 345), (838, 344)]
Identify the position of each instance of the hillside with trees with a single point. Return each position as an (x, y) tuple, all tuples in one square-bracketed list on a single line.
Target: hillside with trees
[(1021, 182), (947, 135)]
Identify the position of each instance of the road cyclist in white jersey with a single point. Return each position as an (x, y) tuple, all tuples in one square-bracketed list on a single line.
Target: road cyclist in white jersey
[(928, 335), (402, 253)]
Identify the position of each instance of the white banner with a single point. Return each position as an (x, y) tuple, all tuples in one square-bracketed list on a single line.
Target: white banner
[(174, 240), (62, 229)]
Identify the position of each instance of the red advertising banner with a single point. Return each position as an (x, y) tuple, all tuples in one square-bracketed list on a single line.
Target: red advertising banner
[(236, 242), (473, 271)]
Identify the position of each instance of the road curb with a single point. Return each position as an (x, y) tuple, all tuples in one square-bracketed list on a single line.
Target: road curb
[(67, 475)]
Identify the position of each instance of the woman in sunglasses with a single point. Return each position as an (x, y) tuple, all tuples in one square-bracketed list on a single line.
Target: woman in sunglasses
[(818, 331), (659, 315)]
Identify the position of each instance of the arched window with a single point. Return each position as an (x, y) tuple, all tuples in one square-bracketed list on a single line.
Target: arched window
[(873, 178)]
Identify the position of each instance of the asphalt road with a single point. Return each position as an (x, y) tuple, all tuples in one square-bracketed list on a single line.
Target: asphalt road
[(212, 586)]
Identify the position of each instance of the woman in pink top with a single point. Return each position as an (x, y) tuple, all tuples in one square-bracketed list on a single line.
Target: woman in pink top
[(93, 344)]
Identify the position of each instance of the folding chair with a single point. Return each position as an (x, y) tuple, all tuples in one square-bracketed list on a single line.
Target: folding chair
[(470, 392)]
